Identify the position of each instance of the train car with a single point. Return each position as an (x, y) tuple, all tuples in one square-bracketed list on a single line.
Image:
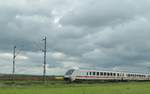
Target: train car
[(80, 75)]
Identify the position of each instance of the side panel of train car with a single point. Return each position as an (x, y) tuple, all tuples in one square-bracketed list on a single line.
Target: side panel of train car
[(74, 75)]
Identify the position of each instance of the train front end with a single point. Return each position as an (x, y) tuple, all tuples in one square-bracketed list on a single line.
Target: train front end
[(69, 75)]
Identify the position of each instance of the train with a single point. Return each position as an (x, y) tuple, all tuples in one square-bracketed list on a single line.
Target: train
[(96, 75)]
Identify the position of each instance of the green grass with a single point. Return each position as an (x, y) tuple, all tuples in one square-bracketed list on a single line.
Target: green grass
[(63, 88)]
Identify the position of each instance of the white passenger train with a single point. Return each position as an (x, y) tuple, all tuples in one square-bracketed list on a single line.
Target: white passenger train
[(79, 75)]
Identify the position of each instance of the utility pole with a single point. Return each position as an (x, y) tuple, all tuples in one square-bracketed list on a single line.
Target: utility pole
[(14, 59), (44, 65), (148, 76)]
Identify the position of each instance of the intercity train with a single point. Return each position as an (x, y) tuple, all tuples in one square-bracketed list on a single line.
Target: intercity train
[(91, 75)]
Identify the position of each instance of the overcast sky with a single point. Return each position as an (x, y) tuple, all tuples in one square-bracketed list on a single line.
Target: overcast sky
[(88, 34)]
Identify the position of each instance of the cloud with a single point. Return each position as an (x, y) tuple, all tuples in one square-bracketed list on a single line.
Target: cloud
[(103, 35), (105, 13)]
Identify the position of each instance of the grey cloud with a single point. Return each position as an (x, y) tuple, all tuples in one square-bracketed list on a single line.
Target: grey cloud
[(90, 34), (104, 12), (126, 45)]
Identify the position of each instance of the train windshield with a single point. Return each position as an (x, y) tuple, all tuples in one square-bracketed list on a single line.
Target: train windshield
[(70, 72)]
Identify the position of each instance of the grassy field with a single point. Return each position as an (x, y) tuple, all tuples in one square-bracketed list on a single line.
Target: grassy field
[(63, 88)]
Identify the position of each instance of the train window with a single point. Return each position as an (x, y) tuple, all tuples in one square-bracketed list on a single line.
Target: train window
[(111, 74), (87, 73), (70, 72), (117, 74), (97, 73), (108, 74), (93, 73), (114, 74), (90, 73), (104, 73)]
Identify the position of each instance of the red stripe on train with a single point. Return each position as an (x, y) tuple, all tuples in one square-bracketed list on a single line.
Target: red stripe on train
[(87, 76)]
